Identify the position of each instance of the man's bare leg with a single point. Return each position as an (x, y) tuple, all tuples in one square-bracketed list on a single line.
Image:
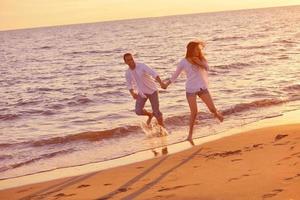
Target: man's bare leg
[(150, 116), (160, 121)]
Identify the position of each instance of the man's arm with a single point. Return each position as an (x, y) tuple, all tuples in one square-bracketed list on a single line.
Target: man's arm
[(162, 84), (129, 85), (133, 94), (153, 73)]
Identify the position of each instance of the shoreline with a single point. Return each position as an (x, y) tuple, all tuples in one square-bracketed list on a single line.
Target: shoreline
[(286, 118), (256, 164), (78, 173)]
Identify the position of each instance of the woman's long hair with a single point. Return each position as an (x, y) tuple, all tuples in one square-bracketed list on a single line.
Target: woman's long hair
[(190, 49)]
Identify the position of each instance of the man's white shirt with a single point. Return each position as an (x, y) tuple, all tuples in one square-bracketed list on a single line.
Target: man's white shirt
[(142, 79)]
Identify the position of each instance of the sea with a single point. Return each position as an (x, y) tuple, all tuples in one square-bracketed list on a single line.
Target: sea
[(64, 101)]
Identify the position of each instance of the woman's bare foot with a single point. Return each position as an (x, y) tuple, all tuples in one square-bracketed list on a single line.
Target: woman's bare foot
[(189, 138), (191, 141), (219, 116), (150, 116)]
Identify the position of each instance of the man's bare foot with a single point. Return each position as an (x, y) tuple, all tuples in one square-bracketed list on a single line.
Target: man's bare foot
[(149, 119), (155, 152), (164, 151), (219, 116)]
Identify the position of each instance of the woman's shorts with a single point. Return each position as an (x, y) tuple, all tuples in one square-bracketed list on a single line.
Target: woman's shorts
[(198, 93)]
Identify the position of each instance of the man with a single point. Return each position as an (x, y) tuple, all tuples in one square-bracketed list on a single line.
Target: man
[(141, 77)]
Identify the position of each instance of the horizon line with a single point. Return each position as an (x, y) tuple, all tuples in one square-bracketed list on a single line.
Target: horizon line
[(127, 19)]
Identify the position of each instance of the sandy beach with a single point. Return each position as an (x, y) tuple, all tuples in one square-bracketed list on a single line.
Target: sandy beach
[(86, 87), (261, 163)]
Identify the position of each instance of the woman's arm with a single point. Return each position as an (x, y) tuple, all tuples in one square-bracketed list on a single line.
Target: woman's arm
[(176, 73), (174, 76)]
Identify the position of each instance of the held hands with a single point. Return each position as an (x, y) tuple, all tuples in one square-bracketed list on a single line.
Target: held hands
[(164, 84)]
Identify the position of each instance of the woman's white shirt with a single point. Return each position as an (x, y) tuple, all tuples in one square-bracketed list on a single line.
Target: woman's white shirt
[(197, 77)]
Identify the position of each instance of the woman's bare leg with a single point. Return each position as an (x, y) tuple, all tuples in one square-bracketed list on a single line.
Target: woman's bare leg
[(206, 98), (192, 100)]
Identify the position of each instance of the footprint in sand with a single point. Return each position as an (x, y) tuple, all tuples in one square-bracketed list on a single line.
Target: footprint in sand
[(223, 154), (292, 147), (176, 187), (279, 137), (278, 190), (290, 157), (268, 195), (235, 179), (275, 192), (296, 154), (64, 195), (254, 146), (123, 189), (172, 188), (247, 148), (283, 143), (245, 175), (25, 190), (257, 145), (83, 186), (234, 160), (290, 178)]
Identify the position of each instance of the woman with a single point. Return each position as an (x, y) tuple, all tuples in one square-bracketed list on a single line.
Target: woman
[(196, 67)]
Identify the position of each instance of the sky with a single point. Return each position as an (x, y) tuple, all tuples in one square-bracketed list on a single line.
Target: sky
[(17, 14)]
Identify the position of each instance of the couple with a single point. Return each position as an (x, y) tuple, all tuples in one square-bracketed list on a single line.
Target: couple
[(140, 76)]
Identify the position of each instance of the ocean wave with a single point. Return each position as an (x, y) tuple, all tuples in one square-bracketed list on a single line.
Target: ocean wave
[(10, 117), (227, 38), (7, 117), (255, 104), (41, 157), (183, 120), (48, 112), (84, 136), (56, 106), (89, 136), (237, 65), (109, 93), (295, 87), (283, 57), (78, 100), (286, 41), (45, 47), (5, 157), (178, 120), (254, 47), (94, 52), (27, 102), (45, 89)]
